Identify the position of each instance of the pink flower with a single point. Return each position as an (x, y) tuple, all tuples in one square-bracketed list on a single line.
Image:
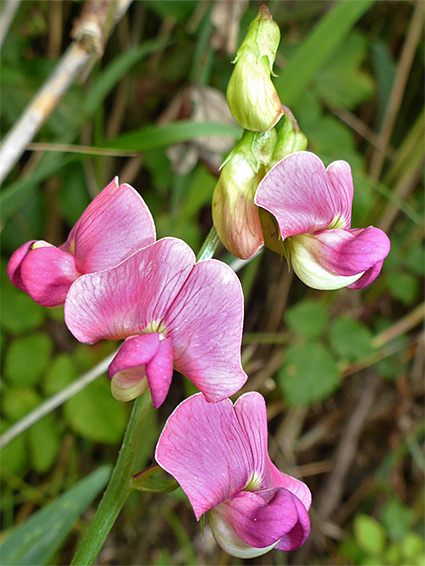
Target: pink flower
[(312, 206), (115, 224), (218, 454), (170, 311)]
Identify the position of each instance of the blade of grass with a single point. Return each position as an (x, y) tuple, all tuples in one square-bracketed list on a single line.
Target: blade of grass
[(324, 40)]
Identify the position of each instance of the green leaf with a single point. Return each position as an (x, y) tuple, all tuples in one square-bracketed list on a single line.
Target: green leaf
[(153, 137), (396, 518), (27, 358), (37, 540), (14, 456), (369, 534), (95, 414), (415, 259), (309, 374), (351, 339), (404, 287), (61, 373), (412, 546), (341, 83), (18, 401), (45, 440), (307, 318), (326, 38), (19, 313)]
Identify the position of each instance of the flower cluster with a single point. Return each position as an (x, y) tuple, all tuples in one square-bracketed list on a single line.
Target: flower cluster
[(117, 282)]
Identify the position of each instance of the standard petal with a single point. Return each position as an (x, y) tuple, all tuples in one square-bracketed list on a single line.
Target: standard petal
[(47, 273), (304, 197), (116, 224), (261, 519), (203, 446), (14, 265), (131, 298), (159, 372), (205, 325)]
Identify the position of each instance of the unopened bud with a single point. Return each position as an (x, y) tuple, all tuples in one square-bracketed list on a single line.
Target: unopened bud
[(236, 217), (251, 95), (289, 140)]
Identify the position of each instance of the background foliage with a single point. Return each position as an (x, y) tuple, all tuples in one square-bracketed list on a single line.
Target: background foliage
[(342, 371)]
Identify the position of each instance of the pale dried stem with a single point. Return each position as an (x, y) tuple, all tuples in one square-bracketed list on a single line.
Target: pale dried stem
[(402, 326), (406, 59), (83, 50), (10, 8)]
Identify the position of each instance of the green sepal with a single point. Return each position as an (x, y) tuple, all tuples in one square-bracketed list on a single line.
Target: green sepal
[(143, 481)]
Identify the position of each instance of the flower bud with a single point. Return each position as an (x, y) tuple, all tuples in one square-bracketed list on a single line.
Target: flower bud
[(251, 95), (236, 217)]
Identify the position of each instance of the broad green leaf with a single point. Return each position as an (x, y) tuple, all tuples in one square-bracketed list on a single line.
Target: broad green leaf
[(351, 339), (61, 373), (37, 540), (309, 374), (95, 414), (396, 518), (13, 456), (44, 438), (341, 83), (404, 287), (27, 358), (307, 318), (18, 401), (19, 313), (412, 546), (325, 39), (369, 534)]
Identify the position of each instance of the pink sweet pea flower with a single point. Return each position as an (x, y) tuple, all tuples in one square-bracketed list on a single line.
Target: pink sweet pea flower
[(170, 311), (218, 454), (114, 225), (312, 206)]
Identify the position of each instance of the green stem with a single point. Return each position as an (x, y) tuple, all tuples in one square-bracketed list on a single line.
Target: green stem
[(210, 245), (119, 486)]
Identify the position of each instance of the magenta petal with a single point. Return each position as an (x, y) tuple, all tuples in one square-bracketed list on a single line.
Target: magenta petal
[(48, 273), (14, 265), (130, 298), (304, 197), (368, 276), (261, 519), (204, 448), (159, 372), (349, 252), (205, 324), (136, 352), (116, 224), (297, 536)]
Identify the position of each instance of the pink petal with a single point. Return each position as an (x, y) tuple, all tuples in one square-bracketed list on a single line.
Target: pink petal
[(139, 357), (368, 276), (159, 372), (14, 265), (349, 252), (263, 518), (131, 298), (205, 325), (204, 448), (116, 224), (297, 536), (47, 273), (304, 197), (276, 478)]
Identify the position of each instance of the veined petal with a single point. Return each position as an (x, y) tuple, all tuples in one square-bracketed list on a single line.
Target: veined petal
[(47, 274), (276, 478), (14, 265), (304, 197), (116, 224), (159, 372), (131, 298), (205, 325), (260, 519), (203, 446)]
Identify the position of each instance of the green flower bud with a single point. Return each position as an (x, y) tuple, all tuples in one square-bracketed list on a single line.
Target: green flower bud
[(289, 140), (236, 217), (251, 95)]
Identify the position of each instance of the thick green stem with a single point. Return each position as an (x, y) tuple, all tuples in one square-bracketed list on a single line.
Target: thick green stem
[(119, 486)]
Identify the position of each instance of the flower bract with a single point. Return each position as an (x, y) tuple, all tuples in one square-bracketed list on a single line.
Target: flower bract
[(115, 224), (171, 312), (312, 207), (218, 454)]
